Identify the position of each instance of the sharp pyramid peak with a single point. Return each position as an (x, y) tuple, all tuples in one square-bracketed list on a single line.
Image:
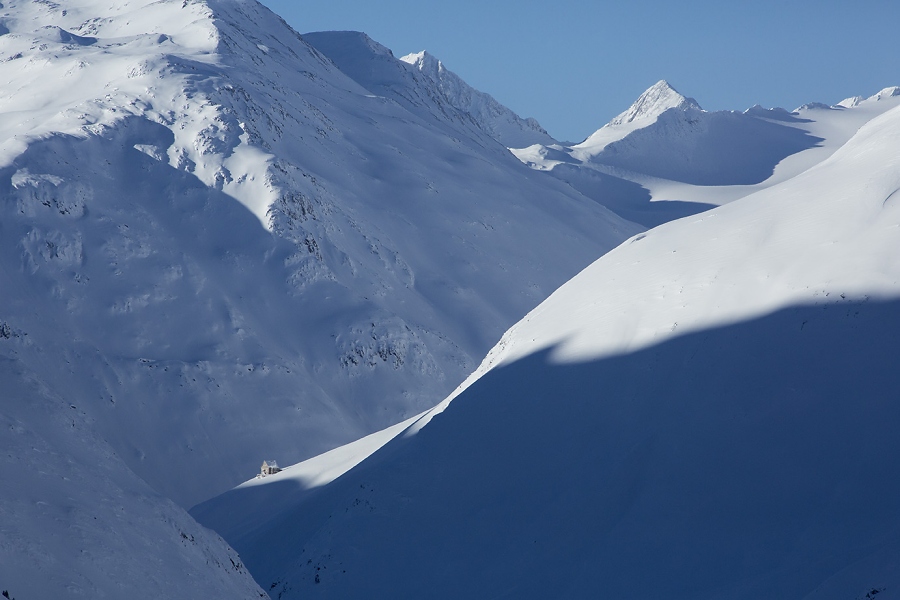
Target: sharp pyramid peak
[(658, 98)]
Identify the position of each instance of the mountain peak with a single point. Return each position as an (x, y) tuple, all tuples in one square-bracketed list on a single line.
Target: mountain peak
[(425, 62), (420, 58), (658, 98), (495, 119)]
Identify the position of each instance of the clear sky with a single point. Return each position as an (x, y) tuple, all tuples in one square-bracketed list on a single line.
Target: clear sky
[(575, 64)]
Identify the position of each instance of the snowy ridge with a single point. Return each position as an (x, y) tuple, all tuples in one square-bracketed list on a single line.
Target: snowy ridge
[(498, 121), (713, 402), (888, 92), (425, 88)]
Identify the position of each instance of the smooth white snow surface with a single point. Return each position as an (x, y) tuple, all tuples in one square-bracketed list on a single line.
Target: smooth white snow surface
[(707, 411)]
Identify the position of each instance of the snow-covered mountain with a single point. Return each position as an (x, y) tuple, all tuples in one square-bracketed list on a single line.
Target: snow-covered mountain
[(645, 111), (223, 242), (421, 84), (707, 411), (237, 223), (497, 120), (217, 247), (665, 157)]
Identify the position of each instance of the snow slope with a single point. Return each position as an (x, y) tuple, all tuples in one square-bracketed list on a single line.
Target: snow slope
[(707, 411), (221, 248), (75, 522)]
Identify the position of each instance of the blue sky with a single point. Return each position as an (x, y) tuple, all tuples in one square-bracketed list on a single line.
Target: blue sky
[(575, 64)]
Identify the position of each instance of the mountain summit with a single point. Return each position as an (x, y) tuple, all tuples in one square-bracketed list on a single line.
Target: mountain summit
[(646, 110), (659, 98)]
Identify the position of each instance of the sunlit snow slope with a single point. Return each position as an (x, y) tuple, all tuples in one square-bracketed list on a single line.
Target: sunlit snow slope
[(706, 412)]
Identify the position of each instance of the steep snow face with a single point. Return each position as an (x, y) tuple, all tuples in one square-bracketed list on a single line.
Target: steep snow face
[(498, 121), (375, 69), (705, 412), (226, 249), (81, 68)]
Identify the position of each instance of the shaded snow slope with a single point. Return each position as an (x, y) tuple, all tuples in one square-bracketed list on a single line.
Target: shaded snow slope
[(388, 79), (719, 148), (77, 523), (705, 412)]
